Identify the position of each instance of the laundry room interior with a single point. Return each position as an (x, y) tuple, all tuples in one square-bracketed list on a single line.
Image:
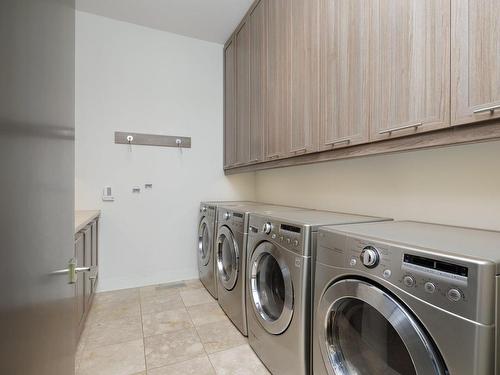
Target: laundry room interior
[(285, 187)]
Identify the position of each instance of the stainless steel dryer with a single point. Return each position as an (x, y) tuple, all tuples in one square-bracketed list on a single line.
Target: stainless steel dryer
[(231, 250), (279, 292), (406, 298), (207, 226)]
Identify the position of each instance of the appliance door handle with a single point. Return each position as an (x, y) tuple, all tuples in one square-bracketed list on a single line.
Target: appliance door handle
[(72, 271)]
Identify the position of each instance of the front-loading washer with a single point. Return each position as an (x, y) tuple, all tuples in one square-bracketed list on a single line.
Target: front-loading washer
[(279, 291), (207, 226), (406, 298), (231, 258)]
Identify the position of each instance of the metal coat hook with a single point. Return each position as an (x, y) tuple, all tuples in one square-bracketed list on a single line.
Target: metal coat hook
[(130, 138)]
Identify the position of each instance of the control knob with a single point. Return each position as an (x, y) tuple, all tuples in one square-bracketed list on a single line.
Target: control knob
[(370, 257), (267, 228), (409, 281), (203, 209), (227, 215)]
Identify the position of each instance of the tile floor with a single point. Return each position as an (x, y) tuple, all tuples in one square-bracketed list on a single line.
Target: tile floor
[(169, 329)]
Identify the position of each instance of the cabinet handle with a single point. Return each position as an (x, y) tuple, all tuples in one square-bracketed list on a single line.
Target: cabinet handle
[(487, 109), (416, 126), (273, 156), (339, 141), (300, 151)]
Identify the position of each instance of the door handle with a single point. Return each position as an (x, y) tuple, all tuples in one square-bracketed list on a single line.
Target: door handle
[(71, 271)]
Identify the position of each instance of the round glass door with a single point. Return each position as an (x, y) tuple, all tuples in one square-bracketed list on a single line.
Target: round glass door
[(271, 288), (204, 242), (228, 258), (364, 330)]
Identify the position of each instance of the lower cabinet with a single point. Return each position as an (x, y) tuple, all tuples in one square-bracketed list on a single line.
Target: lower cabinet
[(86, 256)]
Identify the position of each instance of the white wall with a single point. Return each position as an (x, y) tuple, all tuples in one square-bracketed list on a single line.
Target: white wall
[(456, 185), (131, 78)]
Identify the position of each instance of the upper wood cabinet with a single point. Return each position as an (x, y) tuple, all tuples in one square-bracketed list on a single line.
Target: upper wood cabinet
[(257, 23), (475, 41), (229, 106), (304, 76), (278, 78), (345, 72), (293, 77), (410, 66), (243, 113)]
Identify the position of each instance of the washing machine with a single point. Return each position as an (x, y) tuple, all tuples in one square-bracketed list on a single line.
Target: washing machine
[(207, 226), (406, 298), (279, 292), (231, 250)]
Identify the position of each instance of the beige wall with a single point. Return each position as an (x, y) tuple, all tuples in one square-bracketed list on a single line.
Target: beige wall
[(457, 185)]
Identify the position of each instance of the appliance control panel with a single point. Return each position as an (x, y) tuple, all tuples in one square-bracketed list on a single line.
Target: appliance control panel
[(208, 210), (234, 219), (289, 236), (450, 283)]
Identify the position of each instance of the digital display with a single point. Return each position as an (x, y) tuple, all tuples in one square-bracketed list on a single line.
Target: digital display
[(290, 228), (238, 215), (437, 265)]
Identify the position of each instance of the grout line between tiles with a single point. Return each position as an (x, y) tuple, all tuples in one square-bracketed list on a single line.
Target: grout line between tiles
[(199, 337)]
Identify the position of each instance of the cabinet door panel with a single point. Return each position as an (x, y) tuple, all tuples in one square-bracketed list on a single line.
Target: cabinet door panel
[(80, 282), (258, 55), (411, 70), (345, 72), (304, 70), (243, 95), (475, 40), (94, 260), (278, 77), (229, 106), (87, 262)]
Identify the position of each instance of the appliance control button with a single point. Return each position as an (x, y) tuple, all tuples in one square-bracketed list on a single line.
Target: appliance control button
[(353, 262), (288, 241), (295, 243), (387, 273), (273, 236), (267, 228), (370, 257), (227, 215), (429, 287), (282, 238), (454, 295), (409, 281)]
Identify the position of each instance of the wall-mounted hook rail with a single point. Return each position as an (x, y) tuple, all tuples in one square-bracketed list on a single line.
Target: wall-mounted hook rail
[(128, 138)]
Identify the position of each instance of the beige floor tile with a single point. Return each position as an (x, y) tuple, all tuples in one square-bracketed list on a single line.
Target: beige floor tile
[(159, 303), (198, 366), (113, 331), (119, 359), (196, 297), (193, 284), (219, 336), (166, 321), (123, 295), (170, 348), (206, 313), (159, 290), (102, 312), (237, 361)]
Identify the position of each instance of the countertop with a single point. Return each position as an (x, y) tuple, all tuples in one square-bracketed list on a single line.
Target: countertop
[(82, 218)]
